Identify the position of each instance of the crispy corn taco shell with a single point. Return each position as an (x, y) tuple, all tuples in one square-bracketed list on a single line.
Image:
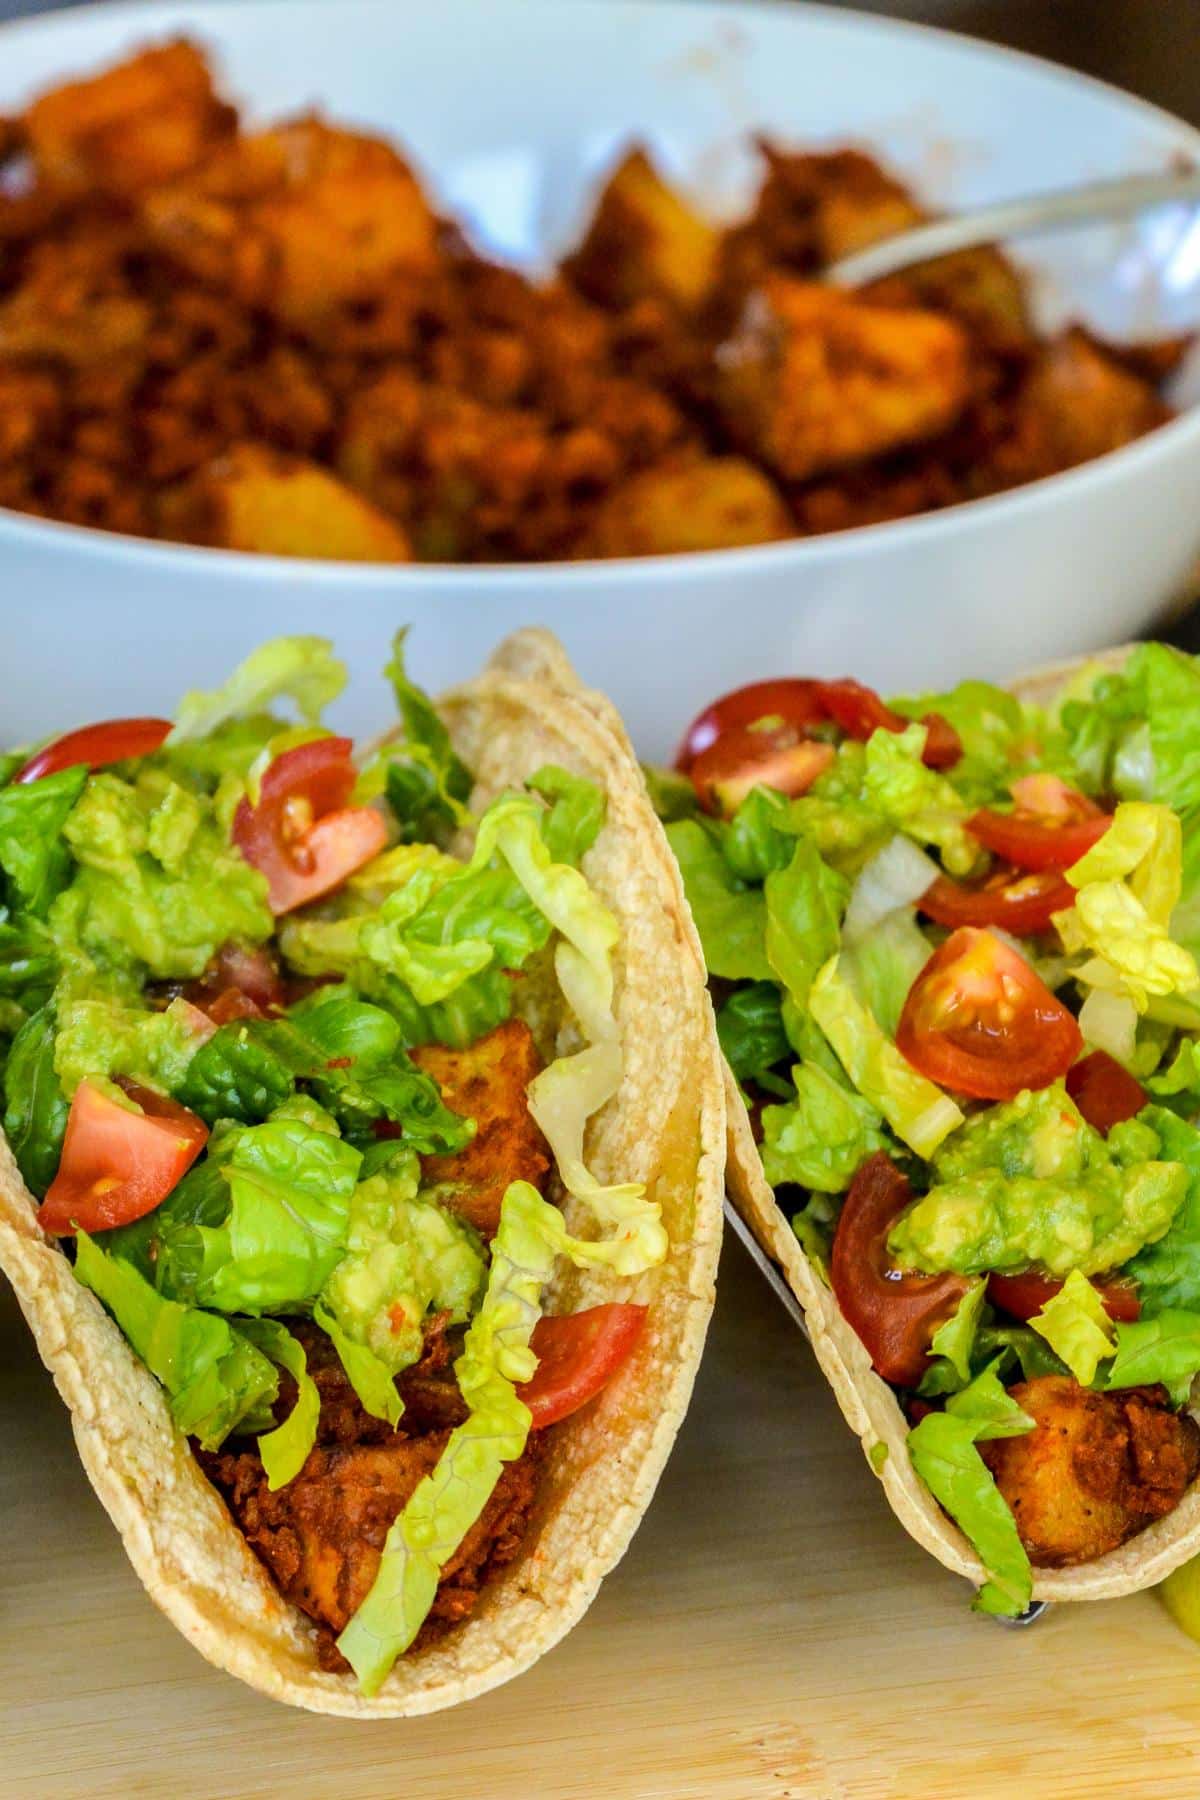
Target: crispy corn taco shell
[(666, 1127), (870, 1407)]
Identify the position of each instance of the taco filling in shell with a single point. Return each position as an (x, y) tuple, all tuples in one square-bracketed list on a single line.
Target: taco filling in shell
[(322, 1077), (953, 941)]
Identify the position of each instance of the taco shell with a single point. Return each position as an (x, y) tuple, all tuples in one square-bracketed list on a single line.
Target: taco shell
[(868, 1403), (666, 1127)]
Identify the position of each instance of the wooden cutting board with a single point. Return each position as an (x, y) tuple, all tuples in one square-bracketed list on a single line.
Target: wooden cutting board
[(771, 1633)]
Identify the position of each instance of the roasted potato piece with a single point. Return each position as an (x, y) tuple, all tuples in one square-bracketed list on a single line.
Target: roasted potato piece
[(1097, 1469), (303, 220), (254, 498), (142, 122), (813, 379), (75, 305), (644, 241), (715, 504), (487, 1083)]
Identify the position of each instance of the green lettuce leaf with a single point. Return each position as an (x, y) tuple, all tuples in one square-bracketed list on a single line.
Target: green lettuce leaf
[(805, 902), (35, 1116), (370, 1377), (1128, 884), (882, 965), (999, 736), (920, 1114), (426, 783), (1167, 1272), (752, 1036), (760, 839), (942, 1447), (671, 795), (730, 917), (1163, 1349), (917, 800), (955, 1338), (216, 1379), (28, 960), (35, 860), (823, 1136), (301, 669), (284, 1450), (1076, 1327)]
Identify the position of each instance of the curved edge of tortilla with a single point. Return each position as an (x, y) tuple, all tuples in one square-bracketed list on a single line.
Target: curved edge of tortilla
[(868, 1403), (666, 1126)]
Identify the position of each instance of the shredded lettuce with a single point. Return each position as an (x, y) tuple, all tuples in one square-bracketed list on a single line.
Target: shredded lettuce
[(35, 860), (1128, 884), (217, 1380), (752, 1036), (370, 1377), (285, 1449), (943, 1452), (301, 669), (730, 917), (882, 966), (426, 784), (822, 1136), (920, 1114), (955, 1339), (1076, 1327), (1167, 1272), (35, 1114), (917, 800), (1163, 1349), (805, 901)]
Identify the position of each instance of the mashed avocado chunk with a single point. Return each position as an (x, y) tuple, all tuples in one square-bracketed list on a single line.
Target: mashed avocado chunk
[(1031, 1183)]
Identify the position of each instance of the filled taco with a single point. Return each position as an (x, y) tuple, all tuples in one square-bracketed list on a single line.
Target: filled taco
[(362, 1169), (953, 942)]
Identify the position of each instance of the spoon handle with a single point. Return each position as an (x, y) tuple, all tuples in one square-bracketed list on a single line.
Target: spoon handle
[(1012, 218)]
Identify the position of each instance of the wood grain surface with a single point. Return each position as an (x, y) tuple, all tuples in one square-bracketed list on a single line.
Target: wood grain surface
[(772, 1633)]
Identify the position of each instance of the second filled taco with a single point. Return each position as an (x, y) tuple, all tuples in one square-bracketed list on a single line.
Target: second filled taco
[(954, 945)]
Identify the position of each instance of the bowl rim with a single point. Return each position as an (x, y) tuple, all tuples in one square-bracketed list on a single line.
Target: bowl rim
[(20, 530)]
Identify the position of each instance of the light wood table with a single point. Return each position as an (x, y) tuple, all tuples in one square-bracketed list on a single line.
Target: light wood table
[(771, 1633)]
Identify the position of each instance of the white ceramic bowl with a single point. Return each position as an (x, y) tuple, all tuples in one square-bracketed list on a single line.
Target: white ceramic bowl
[(512, 110)]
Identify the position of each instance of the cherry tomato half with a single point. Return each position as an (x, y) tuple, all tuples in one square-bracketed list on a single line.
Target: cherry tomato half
[(978, 1020), (96, 745), (578, 1354), (1105, 1093), (743, 758), (1014, 899), (1023, 1295), (804, 704), (894, 1313), (302, 834), (1051, 827), (118, 1165)]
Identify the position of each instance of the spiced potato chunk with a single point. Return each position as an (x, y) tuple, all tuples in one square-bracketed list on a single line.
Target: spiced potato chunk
[(1096, 1469)]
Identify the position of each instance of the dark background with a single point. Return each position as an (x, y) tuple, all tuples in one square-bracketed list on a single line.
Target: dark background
[(1149, 46)]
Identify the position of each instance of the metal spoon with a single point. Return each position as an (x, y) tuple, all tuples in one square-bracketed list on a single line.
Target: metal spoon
[(1098, 200)]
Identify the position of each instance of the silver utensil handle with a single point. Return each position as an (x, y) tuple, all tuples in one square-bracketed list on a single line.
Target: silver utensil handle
[(1099, 200)]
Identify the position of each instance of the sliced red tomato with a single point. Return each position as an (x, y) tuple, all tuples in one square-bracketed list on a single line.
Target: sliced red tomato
[(1016, 900), (1023, 1295), (1105, 1093), (1051, 826), (96, 745), (894, 1313), (803, 705), (231, 1004), (252, 970), (978, 1020), (302, 834), (790, 701), (744, 758), (117, 1165), (578, 1354), (860, 712)]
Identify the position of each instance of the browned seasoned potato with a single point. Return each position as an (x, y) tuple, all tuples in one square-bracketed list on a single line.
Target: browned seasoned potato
[(644, 240), (254, 498), (144, 121), (813, 379), (1097, 1468), (302, 220), (715, 504), (487, 1082), (1080, 402)]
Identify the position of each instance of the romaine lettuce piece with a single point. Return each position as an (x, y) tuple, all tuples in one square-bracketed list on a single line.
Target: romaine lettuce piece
[(917, 800), (35, 1116), (28, 960), (1163, 1349), (1076, 1327), (942, 1447), (426, 783), (284, 1450), (955, 1338), (752, 1036), (822, 1136), (216, 1379), (760, 837), (1167, 1272), (301, 669), (805, 902), (35, 860), (882, 965), (368, 1374), (920, 1114), (1128, 885), (730, 917)]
